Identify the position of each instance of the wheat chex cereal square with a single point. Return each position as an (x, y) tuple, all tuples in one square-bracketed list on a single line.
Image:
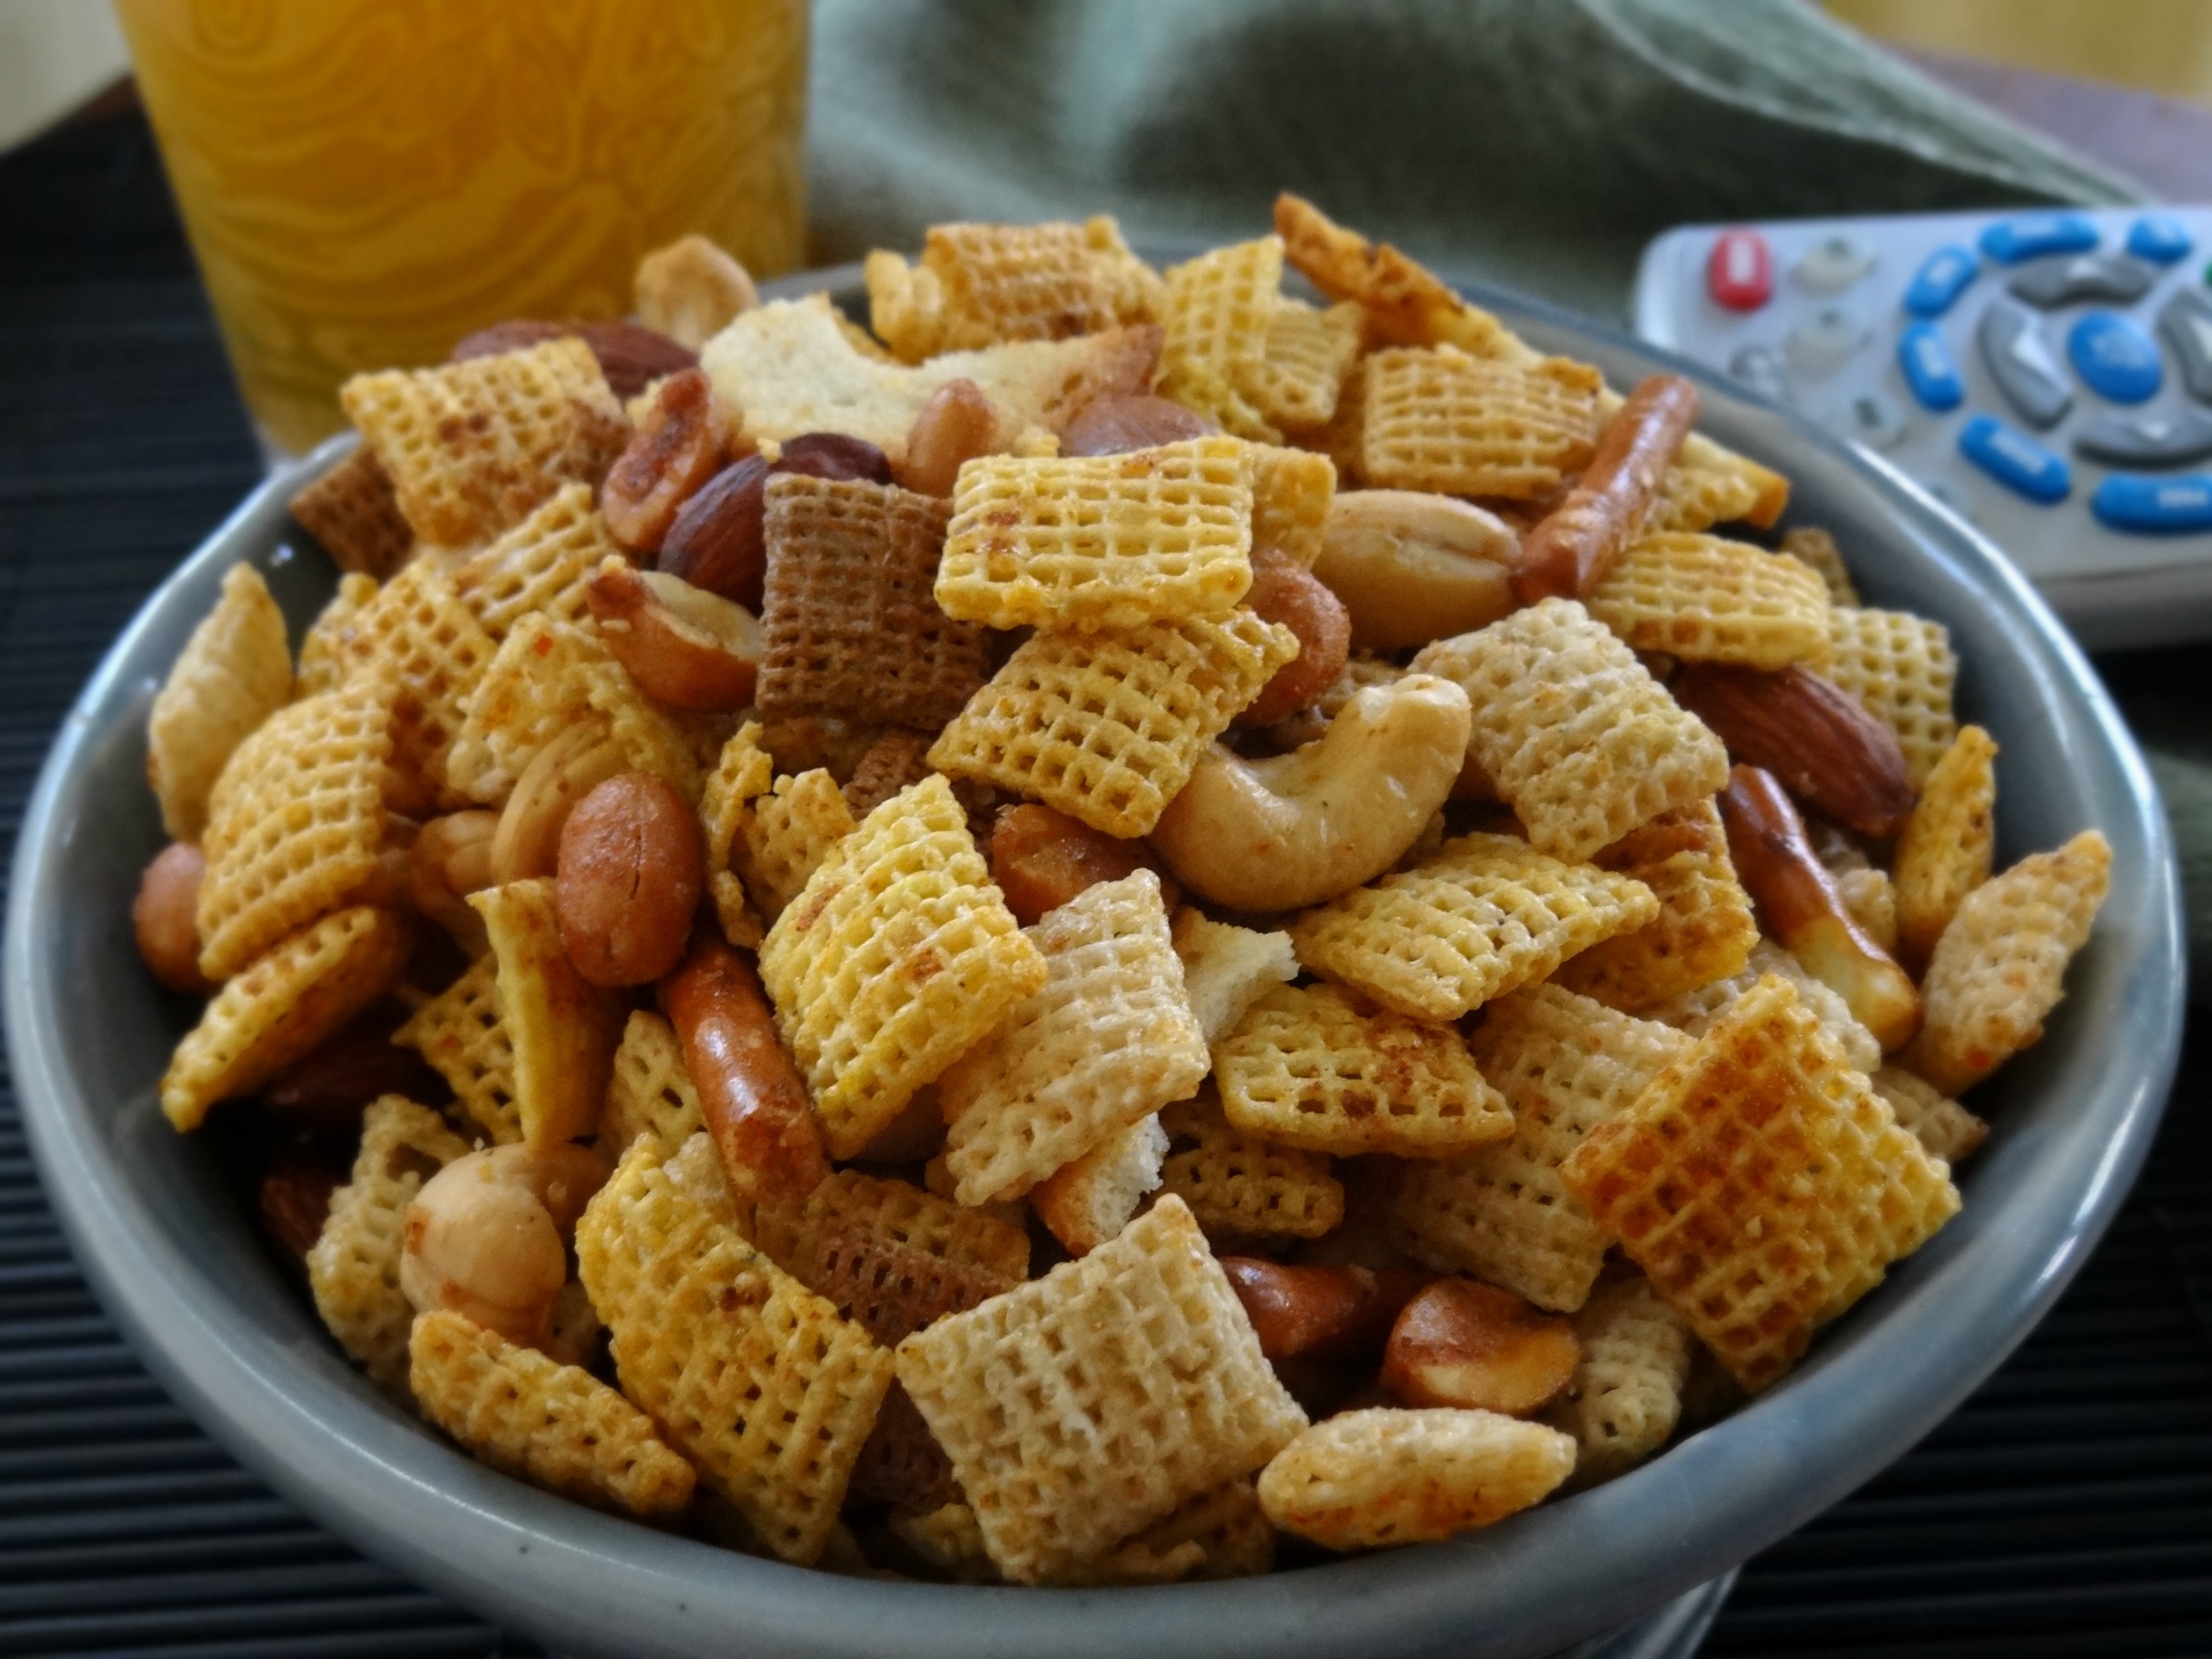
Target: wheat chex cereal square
[(1436, 418), (1100, 541), (430, 646), (1215, 315), (752, 1376), (1309, 1067), (472, 446), (893, 761), (1581, 742), (1626, 1393), (1225, 968), (1108, 726), (1485, 915), (1107, 1040), (545, 563), (1240, 1186), (897, 956), (302, 989), (2001, 965), (1082, 1406), (1948, 842), (1946, 1128), (1902, 668), (555, 1426), (460, 1033), (1565, 1065), (901, 1464), (849, 624), (562, 1029), (1310, 350), (1362, 1480), (295, 823), (650, 1093), (233, 674), (1705, 599), (547, 679), (352, 511), (1760, 1183), (848, 1203), (353, 1268), (1705, 930)]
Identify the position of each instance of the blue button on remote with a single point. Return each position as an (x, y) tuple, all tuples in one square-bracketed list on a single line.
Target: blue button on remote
[(2015, 460), (2114, 358), (2028, 235), (1929, 368), (2158, 238), (2154, 506), (1941, 278)]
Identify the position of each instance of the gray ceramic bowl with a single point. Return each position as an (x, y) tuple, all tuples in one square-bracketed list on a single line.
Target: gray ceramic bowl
[(185, 1275)]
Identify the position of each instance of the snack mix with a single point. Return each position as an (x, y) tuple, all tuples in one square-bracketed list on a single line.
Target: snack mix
[(1124, 926)]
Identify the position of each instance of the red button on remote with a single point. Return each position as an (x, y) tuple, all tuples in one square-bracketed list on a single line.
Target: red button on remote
[(1741, 271)]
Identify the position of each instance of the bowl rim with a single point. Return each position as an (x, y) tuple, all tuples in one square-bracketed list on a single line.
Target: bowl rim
[(575, 1577)]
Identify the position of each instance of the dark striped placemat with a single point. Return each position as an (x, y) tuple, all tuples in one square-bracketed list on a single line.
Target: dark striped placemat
[(2066, 1509)]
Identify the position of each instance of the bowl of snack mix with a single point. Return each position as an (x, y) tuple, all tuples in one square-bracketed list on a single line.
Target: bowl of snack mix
[(1236, 957)]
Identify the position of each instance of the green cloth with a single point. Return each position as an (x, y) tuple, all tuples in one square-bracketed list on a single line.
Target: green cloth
[(1535, 143)]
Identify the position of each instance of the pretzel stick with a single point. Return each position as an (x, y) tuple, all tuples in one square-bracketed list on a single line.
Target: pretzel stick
[(1568, 554)]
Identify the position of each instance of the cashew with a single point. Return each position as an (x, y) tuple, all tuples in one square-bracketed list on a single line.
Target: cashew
[(483, 1237), (1281, 834), (1412, 567), (526, 841)]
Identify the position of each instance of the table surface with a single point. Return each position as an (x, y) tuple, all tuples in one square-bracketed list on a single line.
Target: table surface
[(2066, 1508)]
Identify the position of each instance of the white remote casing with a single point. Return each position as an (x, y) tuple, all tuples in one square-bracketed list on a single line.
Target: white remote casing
[(2116, 588)]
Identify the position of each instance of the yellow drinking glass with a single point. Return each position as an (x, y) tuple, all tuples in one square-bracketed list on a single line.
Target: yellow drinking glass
[(365, 181)]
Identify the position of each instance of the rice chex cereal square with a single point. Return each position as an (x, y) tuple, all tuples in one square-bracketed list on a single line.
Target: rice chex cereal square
[(545, 563), (1242, 1186), (1215, 317), (1704, 598), (1626, 1393), (1437, 419), (1704, 929), (460, 1033), (233, 674)]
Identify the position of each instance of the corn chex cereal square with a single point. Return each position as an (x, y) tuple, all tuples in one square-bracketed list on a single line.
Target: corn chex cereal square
[(556, 1426), (1487, 913), (981, 284), (472, 446), (1816, 549), (1107, 727), (546, 679), (1565, 1065), (897, 956), (849, 624), (1760, 1183), (1436, 418), (432, 650), (1704, 931), (295, 823), (1309, 352), (1240, 1186), (1693, 498), (1100, 541), (1083, 1405), (2001, 965), (1694, 1012), (284, 1003), (1215, 316), (1582, 742), (1946, 1128), (322, 666), (233, 674), (1626, 1395), (1364, 1479), (460, 1033), (352, 511), (562, 1029), (1291, 493), (1108, 1039), (1308, 1067), (1949, 843), (751, 1375), (783, 836), (650, 1093), (902, 1216), (741, 776), (1705, 599), (543, 563), (353, 1268), (1902, 668)]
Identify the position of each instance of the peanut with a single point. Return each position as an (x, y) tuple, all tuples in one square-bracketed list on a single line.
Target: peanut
[(166, 917), (451, 859), (484, 1236), (1113, 426), (1320, 1312), (683, 645), (1283, 590), (676, 451), (690, 290), (1040, 859), (631, 863), (1463, 1343), (955, 425)]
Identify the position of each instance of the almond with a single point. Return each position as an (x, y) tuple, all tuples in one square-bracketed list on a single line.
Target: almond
[(1813, 735), (1116, 425), (1463, 1343)]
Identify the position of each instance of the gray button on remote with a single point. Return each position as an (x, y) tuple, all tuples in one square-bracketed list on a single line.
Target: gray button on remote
[(1824, 342), (2084, 276), (1759, 367), (2012, 347), (1871, 417), (1832, 265), (2147, 441), (2185, 321)]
